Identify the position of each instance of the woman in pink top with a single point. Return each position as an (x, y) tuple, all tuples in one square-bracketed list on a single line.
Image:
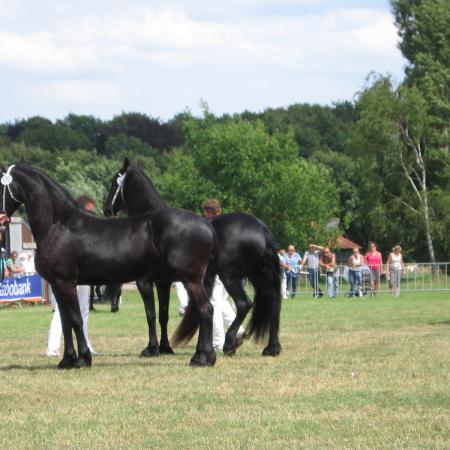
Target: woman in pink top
[(374, 261)]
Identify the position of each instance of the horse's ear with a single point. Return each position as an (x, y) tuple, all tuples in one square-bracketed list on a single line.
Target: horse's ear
[(126, 163), (3, 168)]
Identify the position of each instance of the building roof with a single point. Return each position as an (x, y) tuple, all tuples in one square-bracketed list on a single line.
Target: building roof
[(344, 243)]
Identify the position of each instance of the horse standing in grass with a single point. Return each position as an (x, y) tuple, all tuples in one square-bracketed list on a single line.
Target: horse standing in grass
[(74, 247), (245, 249)]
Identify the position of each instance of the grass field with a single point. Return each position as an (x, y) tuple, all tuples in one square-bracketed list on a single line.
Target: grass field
[(354, 373)]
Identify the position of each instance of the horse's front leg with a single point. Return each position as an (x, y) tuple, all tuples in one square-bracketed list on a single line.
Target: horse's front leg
[(163, 289), (69, 307), (145, 287), (205, 354)]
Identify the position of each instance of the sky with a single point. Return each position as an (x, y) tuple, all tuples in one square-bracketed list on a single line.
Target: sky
[(163, 57)]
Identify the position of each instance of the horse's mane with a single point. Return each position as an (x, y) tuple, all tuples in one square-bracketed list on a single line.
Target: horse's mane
[(140, 179), (56, 188)]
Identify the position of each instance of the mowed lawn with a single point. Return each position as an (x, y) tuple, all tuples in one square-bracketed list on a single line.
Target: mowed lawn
[(354, 373)]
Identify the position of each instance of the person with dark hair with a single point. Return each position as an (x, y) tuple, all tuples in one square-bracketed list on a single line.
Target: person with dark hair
[(328, 263), (14, 265), (223, 312)]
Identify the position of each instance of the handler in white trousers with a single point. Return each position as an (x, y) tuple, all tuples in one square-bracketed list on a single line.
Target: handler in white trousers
[(83, 291), (224, 314), (55, 330)]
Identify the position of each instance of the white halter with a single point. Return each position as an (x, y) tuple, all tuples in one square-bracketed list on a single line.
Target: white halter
[(6, 181), (120, 181)]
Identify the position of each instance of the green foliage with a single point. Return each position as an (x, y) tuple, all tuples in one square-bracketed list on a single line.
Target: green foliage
[(423, 26), (41, 132), (250, 170), (395, 133)]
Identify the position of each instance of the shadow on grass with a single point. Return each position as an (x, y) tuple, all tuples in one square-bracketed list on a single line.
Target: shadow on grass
[(137, 361), (439, 322)]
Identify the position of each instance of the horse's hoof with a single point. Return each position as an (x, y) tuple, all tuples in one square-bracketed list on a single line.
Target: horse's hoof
[(272, 350), (114, 310), (83, 361), (166, 349), (229, 349), (150, 352), (203, 359), (68, 362)]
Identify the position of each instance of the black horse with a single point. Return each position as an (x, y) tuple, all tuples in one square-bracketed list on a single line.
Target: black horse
[(74, 247), (245, 249)]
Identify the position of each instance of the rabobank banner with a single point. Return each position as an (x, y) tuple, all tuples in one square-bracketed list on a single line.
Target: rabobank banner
[(27, 288)]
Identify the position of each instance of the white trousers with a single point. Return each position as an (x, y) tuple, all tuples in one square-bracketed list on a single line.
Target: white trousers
[(284, 285), (223, 312), (55, 330), (182, 296)]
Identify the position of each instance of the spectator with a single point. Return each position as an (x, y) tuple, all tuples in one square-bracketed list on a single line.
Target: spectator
[(374, 261), (83, 291), (281, 255), (355, 263), (395, 268), (328, 263), (3, 267), (27, 263), (14, 265), (312, 259), (292, 261)]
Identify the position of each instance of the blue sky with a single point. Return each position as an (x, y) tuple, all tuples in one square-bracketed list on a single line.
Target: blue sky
[(163, 57)]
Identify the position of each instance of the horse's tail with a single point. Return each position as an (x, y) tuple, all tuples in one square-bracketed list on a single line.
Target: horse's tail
[(188, 325), (191, 318), (266, 281)]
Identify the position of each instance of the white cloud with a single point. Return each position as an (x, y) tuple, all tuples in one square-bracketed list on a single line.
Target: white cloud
[(43, 52), (77, 93), (164, 55)]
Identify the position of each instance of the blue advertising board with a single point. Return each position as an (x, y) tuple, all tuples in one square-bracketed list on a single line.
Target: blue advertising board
[(28, 288)]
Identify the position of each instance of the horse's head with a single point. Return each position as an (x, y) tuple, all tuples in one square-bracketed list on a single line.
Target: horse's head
[(10, 191), (115, 200)]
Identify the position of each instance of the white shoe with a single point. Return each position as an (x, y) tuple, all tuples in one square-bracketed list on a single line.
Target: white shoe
[(53, 354), (94, 353)]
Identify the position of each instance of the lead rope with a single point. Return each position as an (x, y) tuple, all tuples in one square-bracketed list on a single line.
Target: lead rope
[(120, 180), (6, 180)]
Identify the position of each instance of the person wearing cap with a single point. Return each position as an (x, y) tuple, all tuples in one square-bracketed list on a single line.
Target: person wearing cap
[(27, 263)]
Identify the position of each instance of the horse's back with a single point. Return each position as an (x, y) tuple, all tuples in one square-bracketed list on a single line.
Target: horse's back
[(242, 241)]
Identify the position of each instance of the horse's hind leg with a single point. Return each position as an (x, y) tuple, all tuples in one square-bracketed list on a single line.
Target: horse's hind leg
[(163, 289), (204, 354), (66, 296), (145, 287), (274, 346), (243, 305)]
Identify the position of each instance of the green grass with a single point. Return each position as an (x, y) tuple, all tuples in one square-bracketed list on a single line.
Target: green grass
[(354, 373)]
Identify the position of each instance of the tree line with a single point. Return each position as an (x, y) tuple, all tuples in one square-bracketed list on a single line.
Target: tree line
[(379, 163)]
